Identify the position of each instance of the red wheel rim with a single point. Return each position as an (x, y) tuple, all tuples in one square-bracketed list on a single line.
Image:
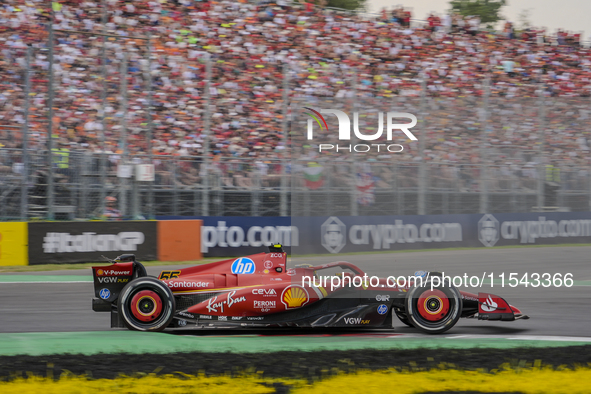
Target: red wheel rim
[(146, 305), (433, 305)]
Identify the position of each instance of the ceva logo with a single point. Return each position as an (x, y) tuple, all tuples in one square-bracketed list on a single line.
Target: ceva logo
[(345, 130), (243, 265), (265, 292)]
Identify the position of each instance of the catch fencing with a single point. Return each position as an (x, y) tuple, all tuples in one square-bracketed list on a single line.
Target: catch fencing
[(253, 187), (485, 153)]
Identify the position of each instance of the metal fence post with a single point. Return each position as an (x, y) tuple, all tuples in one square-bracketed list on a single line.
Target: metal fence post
[(50, 196), (175, 188), (25, 177), (589, 172), (422, 137), (205, 162), (85, 160), (396, 190), (483, 149), (123, 134), (541, 164), (589, 181), (283, 207), (354, 210), (103, 156), (135, 185), (255, 193), (150, 129)]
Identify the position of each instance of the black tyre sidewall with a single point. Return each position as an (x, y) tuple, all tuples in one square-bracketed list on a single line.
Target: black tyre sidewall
[(439, 327), (146, 283)]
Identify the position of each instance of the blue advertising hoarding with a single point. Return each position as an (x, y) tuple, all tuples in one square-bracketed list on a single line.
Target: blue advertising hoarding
[(236, 236)]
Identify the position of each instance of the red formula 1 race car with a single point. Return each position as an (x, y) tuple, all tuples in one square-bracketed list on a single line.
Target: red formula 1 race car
[(259, 291)]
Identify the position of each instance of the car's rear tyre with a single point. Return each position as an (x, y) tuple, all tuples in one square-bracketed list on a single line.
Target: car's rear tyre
[(434, 310), (146, 304)]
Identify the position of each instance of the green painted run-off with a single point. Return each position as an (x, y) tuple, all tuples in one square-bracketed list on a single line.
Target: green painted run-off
[(119, 341)]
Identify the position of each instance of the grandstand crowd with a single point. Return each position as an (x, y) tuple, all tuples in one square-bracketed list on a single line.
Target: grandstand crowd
[(249, 43)]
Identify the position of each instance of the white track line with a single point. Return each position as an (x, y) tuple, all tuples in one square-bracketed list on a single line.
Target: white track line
[(521, 337)]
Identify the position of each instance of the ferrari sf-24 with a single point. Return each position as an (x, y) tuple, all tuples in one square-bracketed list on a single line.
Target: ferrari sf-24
[(260, 291)]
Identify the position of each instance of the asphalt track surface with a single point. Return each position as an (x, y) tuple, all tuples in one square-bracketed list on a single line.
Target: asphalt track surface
[(66, 307)]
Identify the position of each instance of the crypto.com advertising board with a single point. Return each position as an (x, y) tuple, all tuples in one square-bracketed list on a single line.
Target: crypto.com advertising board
[(355, 234)]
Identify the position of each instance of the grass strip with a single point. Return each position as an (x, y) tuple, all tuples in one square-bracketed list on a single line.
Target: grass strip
[(302, 340)]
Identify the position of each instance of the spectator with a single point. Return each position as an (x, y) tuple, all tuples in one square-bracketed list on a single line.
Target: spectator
[(248, 46), (508, 30), (110, 212)]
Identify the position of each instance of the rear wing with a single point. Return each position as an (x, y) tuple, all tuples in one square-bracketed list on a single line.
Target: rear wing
[(110, 280)]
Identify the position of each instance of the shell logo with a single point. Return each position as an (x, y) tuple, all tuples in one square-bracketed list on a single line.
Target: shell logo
[(99, 272), (294, 296)]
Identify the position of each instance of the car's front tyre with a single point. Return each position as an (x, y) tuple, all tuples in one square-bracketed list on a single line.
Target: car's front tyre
[(434, 309), (146, 304)]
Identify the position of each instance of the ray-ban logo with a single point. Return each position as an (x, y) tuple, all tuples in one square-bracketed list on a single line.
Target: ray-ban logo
[(344, 130)]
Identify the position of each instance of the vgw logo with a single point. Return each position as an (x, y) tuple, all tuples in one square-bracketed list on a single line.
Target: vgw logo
[(108, 279), (113, 280), (243, 265), (345, 130), (355, 320)]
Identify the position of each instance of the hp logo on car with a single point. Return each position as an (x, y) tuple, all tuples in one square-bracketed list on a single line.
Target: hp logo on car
[(243, 265), (104, 294), (382, 309)]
